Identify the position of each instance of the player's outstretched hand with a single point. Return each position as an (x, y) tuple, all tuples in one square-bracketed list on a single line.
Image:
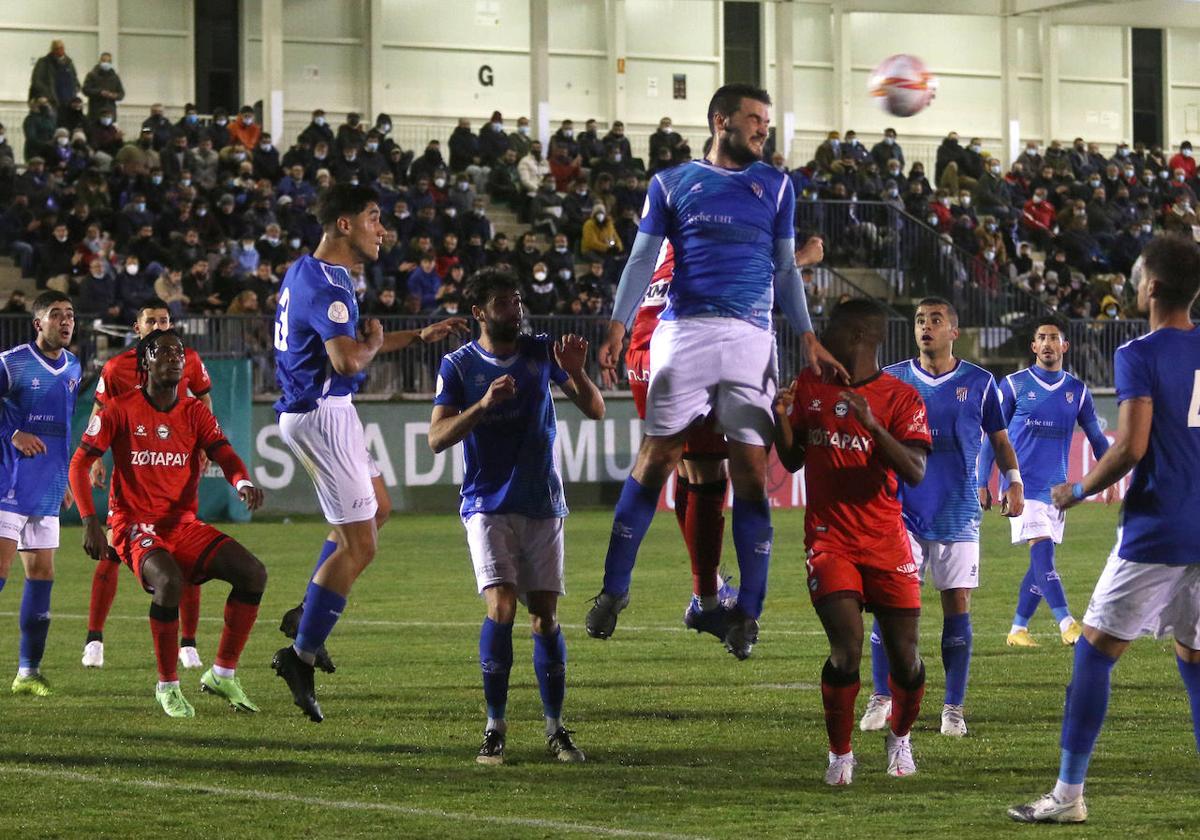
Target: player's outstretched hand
[(28, 445), (442, 329), (96, 473), (94, 541), (1013, 503), (784, 399), (372, 332), (812, 252), (501, 390), (252, 496), (610, 350), (861, 409), (570, 353), (985, 498), (822, 363), (1063, 496)]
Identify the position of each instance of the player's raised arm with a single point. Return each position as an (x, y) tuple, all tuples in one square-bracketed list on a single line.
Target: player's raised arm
[(570, 354), (790, 450), (638, 272), (400, 339)]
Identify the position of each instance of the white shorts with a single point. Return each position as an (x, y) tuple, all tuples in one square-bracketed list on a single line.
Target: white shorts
[(1038, 521), (510, 548), (328, 441), (702, 366), (30, 533), (949, 565), (1146, 599)]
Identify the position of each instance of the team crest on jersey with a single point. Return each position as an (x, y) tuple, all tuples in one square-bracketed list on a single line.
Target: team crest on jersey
[(1031, 395), (841, 408), (961, 393), (93, 427), (35, 383), (140, 431), (162, 431), (72, 384), (338, 313), (480, 379), (1070, 397), (147, 542), (757, 189)]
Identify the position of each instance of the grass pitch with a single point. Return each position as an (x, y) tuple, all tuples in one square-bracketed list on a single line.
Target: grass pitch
[(682, 740)]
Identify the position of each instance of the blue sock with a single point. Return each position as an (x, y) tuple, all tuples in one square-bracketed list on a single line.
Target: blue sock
[(1041, 559), (631, 519), (34, 621), (550, 663), (880, 668), (1028, 599), (322, 609), (956, 656), (2, 581), (495, 660), (1087, 703), (752, 536), (328, 548), (1190, 671)]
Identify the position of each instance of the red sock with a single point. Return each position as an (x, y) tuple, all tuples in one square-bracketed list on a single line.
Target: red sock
[(704, 533), (838, 691), (906, 704), (681, 506), (164, 628), (104, 590), (189, 613), (241, 609)]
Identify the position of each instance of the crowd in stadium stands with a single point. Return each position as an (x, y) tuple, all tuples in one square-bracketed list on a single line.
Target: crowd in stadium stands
[(208, 213)]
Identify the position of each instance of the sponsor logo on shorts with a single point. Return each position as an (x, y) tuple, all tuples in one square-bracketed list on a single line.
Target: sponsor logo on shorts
[(147, 542), (909, 569), (363, 502)]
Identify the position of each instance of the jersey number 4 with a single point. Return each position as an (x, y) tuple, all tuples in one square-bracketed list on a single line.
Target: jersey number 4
[(1194, 408), (281, 321)]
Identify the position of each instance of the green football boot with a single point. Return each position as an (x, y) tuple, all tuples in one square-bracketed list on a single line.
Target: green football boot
[(229, 688), (174, 703), (34, 684)]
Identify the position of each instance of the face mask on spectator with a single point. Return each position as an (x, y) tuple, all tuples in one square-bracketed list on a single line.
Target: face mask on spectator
[(201, 211), (568, 133), (497, 125), (1094, 182), (239, 156), (1164, 174), (1117, 288), (965, 201), (1128, 173), (1179, 178), (1111, 312), (221, 121), (893, 192), (992, 227), (974, 147), (600, 217), (1037, 199), (947, 249), (106, 121), (105, 66), (140, 207), (439, 182), (539, 276), (404, 214), (665, 129), (523, 130), (933, 221), (1147, 228), (318, 121), (889, 140), (61, 238), (989, 255), (294, 242), (62, 141), (996, 170), (247, 120), (156, 179), (451, 212), (1186, 152), (478, 211), (1031, 150), (185, 182), (191, 119), (372, 146), (265, 146), (131, 269), (945, 202)]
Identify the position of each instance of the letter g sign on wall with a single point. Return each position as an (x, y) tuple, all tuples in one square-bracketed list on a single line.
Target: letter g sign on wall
[(485, 75)]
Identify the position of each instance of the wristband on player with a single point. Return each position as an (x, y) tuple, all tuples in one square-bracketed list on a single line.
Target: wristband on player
[(245, 482), (1014, 476), (1077, 491)]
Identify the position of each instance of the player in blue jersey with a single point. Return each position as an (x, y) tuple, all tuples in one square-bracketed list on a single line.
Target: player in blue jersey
[(1042, 405), (494, 396), (943, 513), (38, 385), (729, 219), (320, 361), (1151, 582)]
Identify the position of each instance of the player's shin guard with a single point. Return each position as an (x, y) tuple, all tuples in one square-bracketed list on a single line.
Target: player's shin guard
[(704, 531), (164, 628), (1041, 559), (838, 690), (880, 667), (322, 609), (631, 519), (1190, 671), (957, 638), (1028, 598), (550, 663), (906, 702), (189, 614), (752, 536), (35, 622), (495, 661), (241, 610), (1087, 703), (104, 590)]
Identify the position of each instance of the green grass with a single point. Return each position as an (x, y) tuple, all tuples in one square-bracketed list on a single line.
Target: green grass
[(681, 738)]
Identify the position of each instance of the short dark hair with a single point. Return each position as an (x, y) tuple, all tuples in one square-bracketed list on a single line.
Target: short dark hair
[(484, 284), (863, 313), (153, 303), (344, 200), (47, 299), (1174, 262), (934, 300), (143, 347), (728, 99), (1050, 321)]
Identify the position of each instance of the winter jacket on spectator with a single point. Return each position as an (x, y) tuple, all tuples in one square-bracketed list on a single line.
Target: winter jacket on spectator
[(429, 162), (520, 140), (1038, 214), (55, 258), (201, 292), (828, 153), (176, 158), (590, 146), (189, 126), (564, 169), (1181, 217), (351, 132), (493, 142), (266, 161), (1127, 247), (54, 77), (667, 138), (532, 169), (616, 139), (464, 148), (1030, 159), (991, 195), (160, 127), (205, 165), (541, 295), (883, 151), (246, 133), (133, 290), (103, 89), (1184, 160), (147, 250), (317, 130), (424, 283), (948, 152), (600, 236), (39, 130), (565, 137), (218, 130)]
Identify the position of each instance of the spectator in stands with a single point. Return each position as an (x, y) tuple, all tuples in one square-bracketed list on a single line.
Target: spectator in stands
[(188, 125), (576, 207), (199, 287), (245, 130), (564, 166), (134, 287), (669, 139), (887, 149), (526, 254), (591, 148), (851, 144), (424, 282), (559, 260), (1179, 186), (596, 280), (1078, 157), (988, 236), (159, 126), (1128, 245), (448, 254), (1104, 218), (16, 303), (177, 158), (599, 238), (146, 248), (317, 129), (1038, 219), (493, 142), (892, 171), (1083, 252), (102, 87), (97, 296), (54, 77), (71, 116), (384, 303), (351, 132), (266, 159), (533, 169), (1181, 217), (949, 152), (205, 163), (428, 163), (55, 260), (520, 140), (265, 283), (541, 294), (38, 127), (504, 181), (1184, 160), (616, 139), (168, 288), (991, 194), (565, 137), (465, 154), (1030, 158), (828, 153), (219, 129), (1096, 161), (462, 196)]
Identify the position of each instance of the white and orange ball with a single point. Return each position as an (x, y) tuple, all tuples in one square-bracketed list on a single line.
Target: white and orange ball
[(902, 85)]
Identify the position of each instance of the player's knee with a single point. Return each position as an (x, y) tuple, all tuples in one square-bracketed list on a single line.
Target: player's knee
[(254, 575), (544, 623), (168, 587)]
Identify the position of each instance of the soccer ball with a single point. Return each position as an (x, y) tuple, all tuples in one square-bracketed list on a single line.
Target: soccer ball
[(902, 84)]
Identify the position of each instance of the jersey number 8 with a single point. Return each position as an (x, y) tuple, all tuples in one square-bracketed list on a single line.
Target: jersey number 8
[(281, 322)]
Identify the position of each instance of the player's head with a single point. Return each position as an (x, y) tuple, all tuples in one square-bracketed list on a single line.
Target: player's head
[(53, 320), (152, 315), (495, 298), (858, 324), (160, 357), (1050, 342), (935, 326), (1170, 273), (350, 212), (738, 117)]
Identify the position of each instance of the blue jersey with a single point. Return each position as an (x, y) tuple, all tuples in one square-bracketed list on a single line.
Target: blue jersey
[(962, 406), (508, 458), (316, 303), (38, 397), (722, 225), (1162, 505), (1042, 409)]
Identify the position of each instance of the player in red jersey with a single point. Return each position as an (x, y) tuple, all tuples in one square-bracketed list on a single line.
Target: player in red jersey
[(157, 436), (702, 478), (857, 444), (119, 376)]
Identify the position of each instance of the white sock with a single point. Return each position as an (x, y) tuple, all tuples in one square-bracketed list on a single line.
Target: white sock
[(709, 602), (498, 724), (26, 672), (899, 739), (553, 724), (1064, 624), (833, 755), (163, 686), (1016, 628), (1064, 792), (223, 673)]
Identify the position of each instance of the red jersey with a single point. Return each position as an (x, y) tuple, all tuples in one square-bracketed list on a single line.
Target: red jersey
[(654, 301), (852, 503), (156, 473), (120, 375)]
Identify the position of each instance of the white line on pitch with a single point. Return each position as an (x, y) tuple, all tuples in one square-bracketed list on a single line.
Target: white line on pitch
[(340, 804)]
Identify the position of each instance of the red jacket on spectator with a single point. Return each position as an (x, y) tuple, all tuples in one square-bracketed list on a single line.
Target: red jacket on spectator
[(565, 171), (247, 135), (1039, 214), (944, 216), (1187, 164)]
